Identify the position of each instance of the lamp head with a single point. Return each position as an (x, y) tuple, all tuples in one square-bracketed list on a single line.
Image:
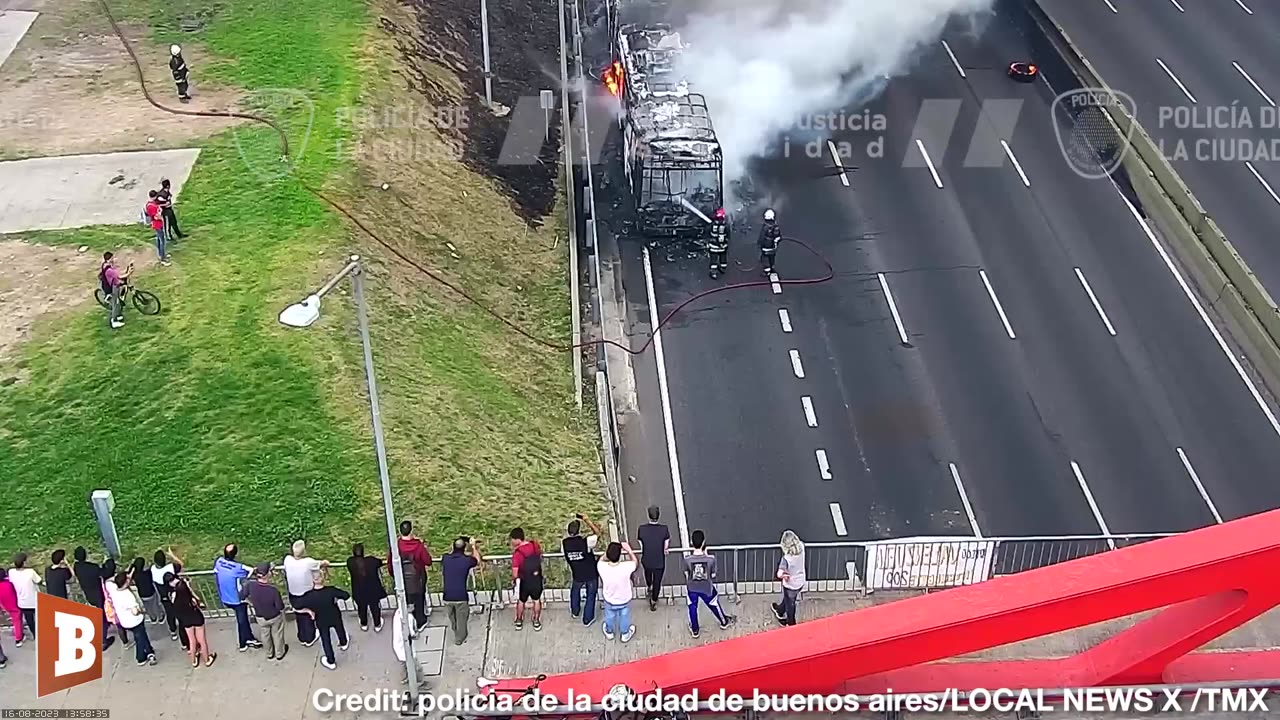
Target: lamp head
[(302, 314)]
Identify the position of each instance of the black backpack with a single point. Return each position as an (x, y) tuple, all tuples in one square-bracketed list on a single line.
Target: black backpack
[(413, 580), (531, 567)]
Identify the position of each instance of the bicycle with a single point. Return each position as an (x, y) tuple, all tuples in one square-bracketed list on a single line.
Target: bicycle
[(146, 303)]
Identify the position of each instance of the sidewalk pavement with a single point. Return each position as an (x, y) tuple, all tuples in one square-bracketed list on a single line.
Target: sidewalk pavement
[(246, 686)]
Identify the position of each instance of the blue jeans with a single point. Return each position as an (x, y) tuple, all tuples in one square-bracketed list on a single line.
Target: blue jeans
[(575, 598), (244, 632), (617, 618), (160, 239), (141, 642), (712, 601)]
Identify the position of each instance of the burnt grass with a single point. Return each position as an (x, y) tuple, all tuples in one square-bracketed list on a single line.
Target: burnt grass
[(524, 43)]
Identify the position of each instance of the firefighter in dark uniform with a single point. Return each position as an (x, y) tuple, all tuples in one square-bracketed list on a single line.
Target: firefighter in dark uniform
[(178, 67), (770, 236), (718, 245)]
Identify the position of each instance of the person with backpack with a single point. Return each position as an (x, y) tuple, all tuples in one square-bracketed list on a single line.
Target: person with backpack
[(155, 218), (415, 558), (111, 280), (526, 573), (579, 552)]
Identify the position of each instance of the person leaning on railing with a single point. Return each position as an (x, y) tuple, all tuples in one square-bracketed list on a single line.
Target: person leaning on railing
[(791, 573)]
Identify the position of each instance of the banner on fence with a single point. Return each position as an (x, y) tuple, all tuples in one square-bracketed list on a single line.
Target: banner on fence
[(921, 563)]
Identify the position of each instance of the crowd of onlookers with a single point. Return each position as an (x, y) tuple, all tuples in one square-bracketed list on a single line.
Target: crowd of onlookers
[(162, 593)]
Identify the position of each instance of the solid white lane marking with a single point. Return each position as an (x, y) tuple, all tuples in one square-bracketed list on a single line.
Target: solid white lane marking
[(1097, 515), (1096, 305), (785, 318), (773, 281), (665, 396), (810, 417), (1262, 180), (1016, 165), (999, 308), (824, 467), (1169, 72), (964, 498), (1180, 8), (1195, 478), (1255, 85), (893, 308), (1244, 7), (835, 157), (796, 367), (954, 61), (929, 161), (1113, 7), (837, 517), (1204, 316)]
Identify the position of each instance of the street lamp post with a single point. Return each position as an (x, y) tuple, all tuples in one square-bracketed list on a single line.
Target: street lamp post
[(304, 314)]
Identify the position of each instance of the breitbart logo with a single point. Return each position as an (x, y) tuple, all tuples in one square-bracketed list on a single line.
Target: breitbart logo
[(68, 644)]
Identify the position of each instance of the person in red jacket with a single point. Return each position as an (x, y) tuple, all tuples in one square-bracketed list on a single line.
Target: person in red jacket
[(526, 573), (155, 214), (415, 558)]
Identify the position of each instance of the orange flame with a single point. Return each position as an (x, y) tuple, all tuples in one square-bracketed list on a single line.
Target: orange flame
[(612, 77)]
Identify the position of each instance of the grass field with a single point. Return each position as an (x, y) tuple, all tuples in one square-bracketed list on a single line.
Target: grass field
[(212, 423)]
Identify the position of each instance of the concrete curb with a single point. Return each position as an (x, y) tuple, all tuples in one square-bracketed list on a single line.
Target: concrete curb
[(1197, 240)]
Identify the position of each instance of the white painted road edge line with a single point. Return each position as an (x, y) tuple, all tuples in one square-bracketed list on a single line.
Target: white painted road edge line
[(835, 157), (1204, 316), (1113, 7), (837, 517), (810, 417), (1096, 305), (1097, 515), (1195, 478), (796, 367), (954, 61), (773, 281), (893, 308), (665, 396), (785, 318), (1244, 7), (929, 161), (999, 308), (824, 467), (1184, 89), (1262, 180), (964, 498), (1255, 85), (1016, 165)]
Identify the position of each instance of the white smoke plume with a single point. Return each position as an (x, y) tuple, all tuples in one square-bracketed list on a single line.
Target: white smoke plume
[(765, 64)]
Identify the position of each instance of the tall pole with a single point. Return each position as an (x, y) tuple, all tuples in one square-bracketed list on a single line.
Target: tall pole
[(570, 181), (410, 662), (484, 38)]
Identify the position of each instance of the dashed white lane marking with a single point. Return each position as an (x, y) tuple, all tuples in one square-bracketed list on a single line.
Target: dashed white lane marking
[(954, 61), (1184, 89), (810, 416), (1180, 8), (785, 318), (665, 396), (1097, 514), (929, 161), (824, 467), (1016, 165), (837, 517), (1204, 316), (964, 498), (1195, 478), (1262, 180), (1113, 7), (773, 281), (1255, 85), (1244, 7), (893, 309), (796, 366), (835, 157), (999, 308), (1096, 305)]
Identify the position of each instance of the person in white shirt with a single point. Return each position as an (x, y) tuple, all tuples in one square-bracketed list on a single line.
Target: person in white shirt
[(130, 616), (397, 644), (161, 566), (24, 581), (616, 589), (299, 574)]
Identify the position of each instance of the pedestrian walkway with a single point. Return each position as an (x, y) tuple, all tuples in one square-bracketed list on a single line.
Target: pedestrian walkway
[(13, 25), (246, 686)]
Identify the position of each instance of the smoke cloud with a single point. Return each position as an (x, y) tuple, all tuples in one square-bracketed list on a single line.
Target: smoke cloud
[(765, 64)]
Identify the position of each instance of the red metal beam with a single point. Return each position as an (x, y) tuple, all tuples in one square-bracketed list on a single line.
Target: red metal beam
[(1208, 582)]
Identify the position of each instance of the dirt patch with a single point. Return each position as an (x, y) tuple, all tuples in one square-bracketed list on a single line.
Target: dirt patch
[(70, 88), (39, 280)]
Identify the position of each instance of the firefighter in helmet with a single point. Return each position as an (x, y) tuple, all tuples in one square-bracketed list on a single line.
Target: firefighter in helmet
[(718, 245), (178, 67), (770, 236)]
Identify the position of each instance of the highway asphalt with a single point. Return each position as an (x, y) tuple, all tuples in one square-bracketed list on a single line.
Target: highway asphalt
[(1220, 54), (1112, 407)]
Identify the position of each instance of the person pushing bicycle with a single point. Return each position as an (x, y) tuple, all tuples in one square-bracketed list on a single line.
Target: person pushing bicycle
[(113, 282)]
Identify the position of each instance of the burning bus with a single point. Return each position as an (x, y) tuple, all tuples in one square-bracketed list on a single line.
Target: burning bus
[(671, 156)]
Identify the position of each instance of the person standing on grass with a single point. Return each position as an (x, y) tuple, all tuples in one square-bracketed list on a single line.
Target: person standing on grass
[(615, 585), (268, 607), (700, 582), (229, 573), (791, 573), (161, 566), (140, 579), (299, 575), (456, 567), (366, 586), (187, 605), (321, 603), (89, 578), (415, 558), (9, 604), (181, 73), (165, 198), (130, 615), (579, 553), (156, 218), (112, 282), (26, 585), (655, 542), (526, 573), (57, 577)]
